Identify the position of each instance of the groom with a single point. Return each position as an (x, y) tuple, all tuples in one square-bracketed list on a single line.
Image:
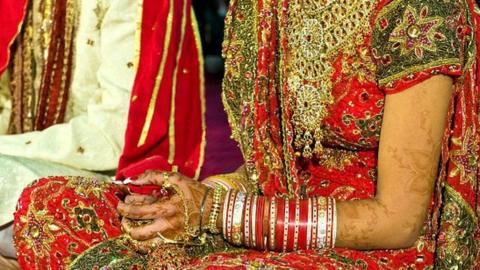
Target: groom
[(138, 72)]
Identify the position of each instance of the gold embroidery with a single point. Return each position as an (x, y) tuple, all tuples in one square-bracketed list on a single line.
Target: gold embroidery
[(100, 12), (317, 32), (171, 122), (465, 158), (336, 158), (416, 32), (138, 33)]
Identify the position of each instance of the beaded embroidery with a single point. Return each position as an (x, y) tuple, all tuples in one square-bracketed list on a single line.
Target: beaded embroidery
[(326, 27)]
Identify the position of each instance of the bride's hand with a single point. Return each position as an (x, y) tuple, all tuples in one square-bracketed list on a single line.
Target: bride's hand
[(173, 217)]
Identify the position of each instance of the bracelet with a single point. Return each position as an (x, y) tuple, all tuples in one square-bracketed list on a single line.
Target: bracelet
[(314, 221), (246, 224), (331, 223), (259, 224), (334, 223), (286, 225), (277, 224), (303, 225), (280, 223), (273, 222), (321, 222), (297, 224), (212, 220), (253, 217), (238, 211), (309, 225), (227, 215)]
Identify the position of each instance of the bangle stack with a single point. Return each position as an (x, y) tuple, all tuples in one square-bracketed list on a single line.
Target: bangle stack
[(279, 224)]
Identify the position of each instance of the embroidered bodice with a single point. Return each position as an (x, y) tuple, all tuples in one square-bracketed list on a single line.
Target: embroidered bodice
[(334, 63)]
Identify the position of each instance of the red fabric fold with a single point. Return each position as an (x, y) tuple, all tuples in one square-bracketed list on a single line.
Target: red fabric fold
[(166, 26), (11, 18)]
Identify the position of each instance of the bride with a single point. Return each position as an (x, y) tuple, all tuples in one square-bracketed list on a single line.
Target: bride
[(358, 125)]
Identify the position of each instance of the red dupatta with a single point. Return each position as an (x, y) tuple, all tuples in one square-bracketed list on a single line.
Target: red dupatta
[(166, 125), (13, 12)]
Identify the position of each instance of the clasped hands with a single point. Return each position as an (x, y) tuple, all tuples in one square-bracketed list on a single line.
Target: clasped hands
[(163, 218)]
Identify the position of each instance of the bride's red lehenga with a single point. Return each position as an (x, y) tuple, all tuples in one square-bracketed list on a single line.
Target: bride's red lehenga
[(286, 59)]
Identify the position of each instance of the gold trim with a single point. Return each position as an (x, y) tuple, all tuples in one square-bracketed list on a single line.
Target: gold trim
[(415, 69), (138, 35), (171, 123), (460, 200), (202, 92), (471, 51), (158, 79)]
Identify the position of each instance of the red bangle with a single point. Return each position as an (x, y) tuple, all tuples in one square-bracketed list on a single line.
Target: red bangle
[(253, 221), (272, 223), (246, 221), (286, 219), (265, 230), (302, 234), (231, 203), (279, 224), (259, 223), (314, 223), (291, 225), (296, 230), (329, 241)]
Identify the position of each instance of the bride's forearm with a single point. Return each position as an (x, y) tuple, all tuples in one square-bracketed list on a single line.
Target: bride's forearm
[(291, 224)]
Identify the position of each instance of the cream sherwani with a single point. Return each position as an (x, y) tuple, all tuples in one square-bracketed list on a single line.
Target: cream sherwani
[(93, 135)]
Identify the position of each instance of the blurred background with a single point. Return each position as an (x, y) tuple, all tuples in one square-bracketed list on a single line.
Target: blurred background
[(222, 153)]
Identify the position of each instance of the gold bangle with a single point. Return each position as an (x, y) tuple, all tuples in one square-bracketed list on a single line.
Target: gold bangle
[(212, 220)]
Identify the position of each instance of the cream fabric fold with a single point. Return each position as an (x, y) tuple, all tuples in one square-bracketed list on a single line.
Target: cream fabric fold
[(93, 136)]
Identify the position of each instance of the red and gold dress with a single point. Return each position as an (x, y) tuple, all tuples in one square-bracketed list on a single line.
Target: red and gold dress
[(304, 89)]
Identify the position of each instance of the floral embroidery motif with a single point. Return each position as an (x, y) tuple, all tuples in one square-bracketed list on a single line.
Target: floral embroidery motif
[(39, 234), (417, 32), (465, 158), (459, 223), (425, 38)]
